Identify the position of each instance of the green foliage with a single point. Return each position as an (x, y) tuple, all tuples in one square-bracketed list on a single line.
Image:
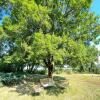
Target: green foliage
[(97, 70), (45, 44), (55, 31), (10, 79), (41, 72)]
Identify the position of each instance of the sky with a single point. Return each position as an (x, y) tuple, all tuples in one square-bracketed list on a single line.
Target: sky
[(95, 7)]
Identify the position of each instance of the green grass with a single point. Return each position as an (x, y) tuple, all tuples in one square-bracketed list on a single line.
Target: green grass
[(82, 87)]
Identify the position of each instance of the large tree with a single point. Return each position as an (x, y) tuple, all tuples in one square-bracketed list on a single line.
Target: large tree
[(49, 32)]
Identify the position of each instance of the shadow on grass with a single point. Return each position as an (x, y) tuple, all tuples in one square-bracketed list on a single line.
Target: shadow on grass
[(26, 85), (55, 90), (58, 88), (24, 89)]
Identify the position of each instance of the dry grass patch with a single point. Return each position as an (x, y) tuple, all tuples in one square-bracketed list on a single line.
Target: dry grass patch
[(81, 87)]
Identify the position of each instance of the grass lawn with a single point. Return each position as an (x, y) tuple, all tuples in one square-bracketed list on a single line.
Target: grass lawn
[(81, 87)]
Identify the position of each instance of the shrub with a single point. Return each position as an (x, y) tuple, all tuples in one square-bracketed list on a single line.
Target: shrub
[(97, 70), (10, 79), (42, 72)]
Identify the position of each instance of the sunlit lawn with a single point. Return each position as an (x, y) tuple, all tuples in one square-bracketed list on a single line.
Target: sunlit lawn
[(82, 87)]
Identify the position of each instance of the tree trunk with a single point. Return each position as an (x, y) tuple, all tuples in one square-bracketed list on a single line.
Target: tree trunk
[(50, 71), (48, 62)]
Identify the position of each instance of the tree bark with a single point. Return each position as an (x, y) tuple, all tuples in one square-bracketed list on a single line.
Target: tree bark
[(50, 71), (48, 62)]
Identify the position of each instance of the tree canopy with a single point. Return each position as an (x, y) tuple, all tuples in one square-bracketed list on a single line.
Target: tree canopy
[(48, 33)]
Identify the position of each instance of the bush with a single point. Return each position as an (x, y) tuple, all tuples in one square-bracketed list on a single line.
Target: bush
[(10, 79), (97, 70), (42, 72), (7, 69)]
